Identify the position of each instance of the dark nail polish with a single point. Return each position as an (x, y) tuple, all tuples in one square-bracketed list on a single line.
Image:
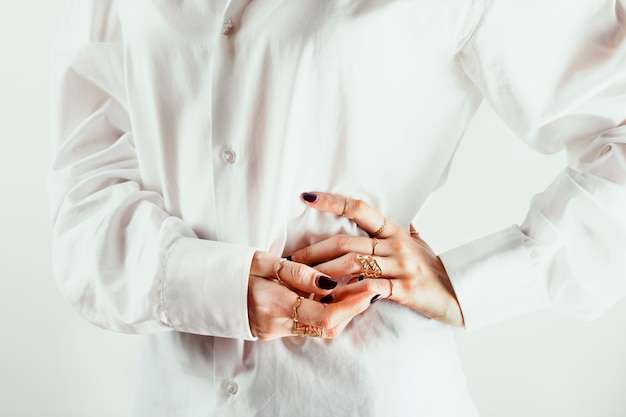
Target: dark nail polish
[(325, 283), (326, 299), (288, 258), (375, 298), (310, 197)]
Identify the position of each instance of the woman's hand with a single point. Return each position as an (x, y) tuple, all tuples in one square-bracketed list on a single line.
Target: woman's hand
[(274, 288), (410, 273)]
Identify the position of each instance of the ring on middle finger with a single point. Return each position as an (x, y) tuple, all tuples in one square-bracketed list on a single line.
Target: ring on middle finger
[(369, 266)]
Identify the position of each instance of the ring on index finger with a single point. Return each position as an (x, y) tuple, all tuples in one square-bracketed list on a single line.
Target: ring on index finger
[(345, 207), (277, 270)]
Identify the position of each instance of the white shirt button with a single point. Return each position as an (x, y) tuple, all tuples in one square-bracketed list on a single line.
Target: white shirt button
[(228, 155), (228, 28), (231, 387)]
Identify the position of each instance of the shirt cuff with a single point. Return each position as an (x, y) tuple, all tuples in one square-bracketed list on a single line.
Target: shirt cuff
[(494, 279), (205, 288)]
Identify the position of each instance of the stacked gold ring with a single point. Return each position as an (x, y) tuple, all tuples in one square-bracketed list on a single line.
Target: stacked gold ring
[(390, 288), (380, 229), (375, 242), (345, 207), (277, 270), (302, 329)]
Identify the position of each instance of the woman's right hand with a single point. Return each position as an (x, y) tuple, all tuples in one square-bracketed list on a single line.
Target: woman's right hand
[(271, 302)]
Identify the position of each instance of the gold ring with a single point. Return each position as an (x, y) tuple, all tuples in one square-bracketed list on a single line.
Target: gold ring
[(345, 207), (390, 288), (374, 246), (380, 229), (370, 267), (301, 329), (280, 265)]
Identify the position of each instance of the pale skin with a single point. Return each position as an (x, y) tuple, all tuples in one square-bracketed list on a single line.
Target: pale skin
[(412, 274)]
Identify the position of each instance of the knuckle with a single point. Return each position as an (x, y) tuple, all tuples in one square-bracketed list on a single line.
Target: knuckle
[(299, 274), (270, 310), (407, 264), (304, 254), (326, 322), (412, 265), (352, 263), (342, 241), (328, 319), (413, 286), (336, 203), (370, 285), (331, 333), (357, 206), (397, 246)]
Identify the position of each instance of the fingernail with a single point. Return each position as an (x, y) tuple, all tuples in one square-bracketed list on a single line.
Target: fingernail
[(310, 197), (326, 299), (288, 258), (325, 283), (375, 298)]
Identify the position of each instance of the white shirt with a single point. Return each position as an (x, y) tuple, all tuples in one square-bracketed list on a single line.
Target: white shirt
[(185, 131)]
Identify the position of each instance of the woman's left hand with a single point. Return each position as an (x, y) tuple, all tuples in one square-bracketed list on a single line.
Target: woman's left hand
[(392, 262)]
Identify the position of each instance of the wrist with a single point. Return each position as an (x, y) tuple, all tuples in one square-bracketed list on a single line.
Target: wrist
[(454, 314)]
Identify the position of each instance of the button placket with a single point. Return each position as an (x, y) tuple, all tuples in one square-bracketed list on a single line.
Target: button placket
[(228, 155), (228, 147)]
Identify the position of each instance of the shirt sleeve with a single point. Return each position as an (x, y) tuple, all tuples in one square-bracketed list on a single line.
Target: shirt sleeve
[(118, 256), (556, 73)]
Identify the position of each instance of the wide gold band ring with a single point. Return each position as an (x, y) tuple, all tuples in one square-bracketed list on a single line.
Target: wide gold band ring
[(301, 329), (369, 266)]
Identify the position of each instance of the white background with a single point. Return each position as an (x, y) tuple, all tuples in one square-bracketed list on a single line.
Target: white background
[(53, 363)]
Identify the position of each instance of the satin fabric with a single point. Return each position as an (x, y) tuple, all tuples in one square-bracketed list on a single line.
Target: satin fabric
[(184, 132)]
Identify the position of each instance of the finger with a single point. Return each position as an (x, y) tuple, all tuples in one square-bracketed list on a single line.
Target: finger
[(350, 264), (418, 239), (384, 286), (340, 245), (416, 236), (304, 278), (292, 274), (362, 213), (330, 317), (336, 331), (269, 309)]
